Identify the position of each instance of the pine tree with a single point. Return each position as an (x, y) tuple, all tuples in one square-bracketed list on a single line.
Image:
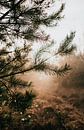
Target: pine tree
[(20, 21)]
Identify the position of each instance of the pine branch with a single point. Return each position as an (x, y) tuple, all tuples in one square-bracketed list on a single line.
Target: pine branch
[(18, 72), (66, 47), (49, 69), (61, 71), (3, 16), (4, 52), (16, 82), (54, 17), (42, 49), (7, 88)]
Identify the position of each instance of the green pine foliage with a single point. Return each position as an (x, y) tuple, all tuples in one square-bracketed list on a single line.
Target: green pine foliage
[(21, 101), (20, 21)]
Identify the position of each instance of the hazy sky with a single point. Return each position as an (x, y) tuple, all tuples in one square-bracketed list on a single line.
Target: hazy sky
[(73, 21)]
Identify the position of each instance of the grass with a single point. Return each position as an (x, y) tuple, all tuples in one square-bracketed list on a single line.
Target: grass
[(43, 115)]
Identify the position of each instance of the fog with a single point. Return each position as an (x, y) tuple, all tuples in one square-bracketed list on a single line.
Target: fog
[(69, 87)]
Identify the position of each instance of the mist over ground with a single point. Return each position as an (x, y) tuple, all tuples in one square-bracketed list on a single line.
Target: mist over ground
[(59, 101), (69, 87)]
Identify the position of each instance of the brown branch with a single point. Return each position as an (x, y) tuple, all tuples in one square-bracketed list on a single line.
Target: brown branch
[(10, 92), (19, 72), (7, 64)]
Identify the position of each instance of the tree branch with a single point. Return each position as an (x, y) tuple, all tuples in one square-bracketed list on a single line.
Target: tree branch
[(19, 72), (10, 92), (2, 17)]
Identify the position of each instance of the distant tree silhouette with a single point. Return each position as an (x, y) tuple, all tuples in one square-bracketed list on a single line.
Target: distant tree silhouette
[(20, 21)]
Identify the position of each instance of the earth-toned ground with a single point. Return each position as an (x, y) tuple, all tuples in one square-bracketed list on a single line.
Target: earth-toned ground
[(59, 104), (56, 114)]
